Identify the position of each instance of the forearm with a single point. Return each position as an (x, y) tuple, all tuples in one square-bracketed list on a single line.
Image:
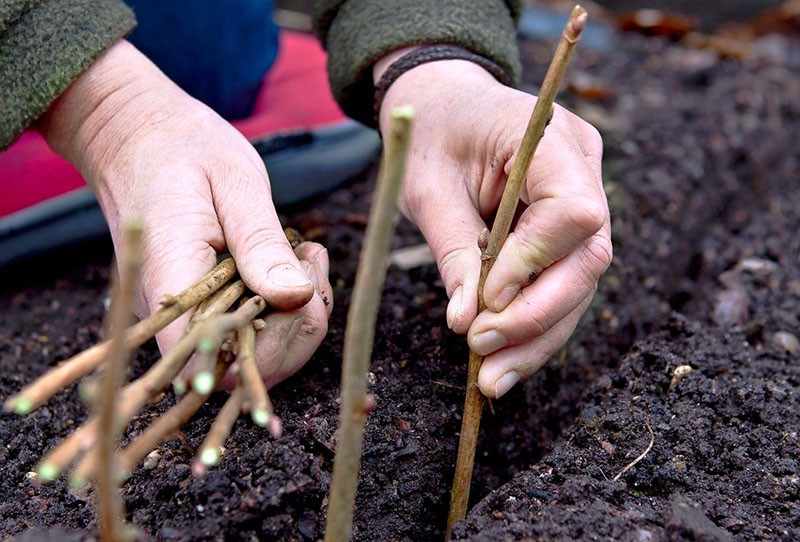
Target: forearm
[(358, 33), (44, 46)]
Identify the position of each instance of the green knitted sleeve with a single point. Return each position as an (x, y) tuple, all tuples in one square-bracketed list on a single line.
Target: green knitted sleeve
[(44, 46), (357, 33)]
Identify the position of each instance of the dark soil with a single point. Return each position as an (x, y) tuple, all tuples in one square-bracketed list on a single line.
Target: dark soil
[(701, 170)]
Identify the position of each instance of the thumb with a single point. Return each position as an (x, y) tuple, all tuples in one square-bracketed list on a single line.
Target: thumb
[(263, 255)]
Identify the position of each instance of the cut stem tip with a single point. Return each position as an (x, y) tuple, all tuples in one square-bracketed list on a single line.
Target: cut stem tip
[(203, 382), (260, 417), (77, 482), (577, 22), (179, 387), (209, 457), (20, 405), (275, 427), (47, 472), (405, 112)]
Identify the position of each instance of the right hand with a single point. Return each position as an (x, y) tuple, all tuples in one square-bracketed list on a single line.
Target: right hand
[(152, 152), (467, 131)]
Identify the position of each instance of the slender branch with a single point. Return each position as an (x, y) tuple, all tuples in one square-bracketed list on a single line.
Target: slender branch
[(218, 303), (62, 455), (110, 509), (166, 424), (211, 449), (256, 398), (542, 112), (360, 331), (205, 360), (138, 392), (161, 374), (36, 393)]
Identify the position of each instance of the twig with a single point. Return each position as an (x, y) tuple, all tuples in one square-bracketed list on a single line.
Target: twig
[(218, 303), (62, 455), (34, 394), (164, 426), (138, 392), (646, 451), (360, 330), (542, 112), (256, 398), (110, 509), (205, 361), (212, 446)]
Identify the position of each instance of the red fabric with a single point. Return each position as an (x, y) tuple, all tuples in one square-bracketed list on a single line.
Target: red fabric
[(31, 173), (295, 94)]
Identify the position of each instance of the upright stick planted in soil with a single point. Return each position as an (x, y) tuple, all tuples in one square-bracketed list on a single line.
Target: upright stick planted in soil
[(110, 510), (490, 248), (360, 330)]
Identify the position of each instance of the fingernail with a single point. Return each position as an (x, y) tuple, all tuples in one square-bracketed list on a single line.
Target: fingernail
[(505, 383), (487, 342), (506, 297), (288, 276), (454, 307)]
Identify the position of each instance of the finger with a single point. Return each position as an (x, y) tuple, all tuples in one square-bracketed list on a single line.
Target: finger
[(567, 205), (451, 226), (317, 255), (311, 323), (280, 328), (503, 369), (256, 240), (540, 306)]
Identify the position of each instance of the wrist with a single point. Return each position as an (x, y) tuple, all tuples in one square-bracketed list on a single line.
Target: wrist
[(434, 84), (420, 70), (80, 124)]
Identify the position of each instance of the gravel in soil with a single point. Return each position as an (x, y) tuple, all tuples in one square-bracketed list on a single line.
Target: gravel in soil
[(691, 345)]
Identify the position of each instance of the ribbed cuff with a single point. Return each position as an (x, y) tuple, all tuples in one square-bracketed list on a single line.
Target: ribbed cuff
[(360, 32), (46, 48)]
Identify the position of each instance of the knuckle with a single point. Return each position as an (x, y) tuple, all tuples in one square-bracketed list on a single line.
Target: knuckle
[(586, 215), (591, 141), (535, 320), (262, 239), (451, 260), (533, 253), (315, 318), (597, 257)]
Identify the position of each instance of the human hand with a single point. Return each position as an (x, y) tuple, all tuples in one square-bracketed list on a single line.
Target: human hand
[(467, 130), (152, 152)]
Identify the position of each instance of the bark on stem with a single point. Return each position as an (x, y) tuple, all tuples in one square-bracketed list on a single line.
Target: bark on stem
[(137, 393), (361, 327), (212, 447), (39, 391), (109, 507), (257, 400), (219, 302), (166, 424), (541, 115)]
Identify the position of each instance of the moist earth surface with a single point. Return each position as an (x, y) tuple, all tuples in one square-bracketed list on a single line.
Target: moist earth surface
[(672, 414)]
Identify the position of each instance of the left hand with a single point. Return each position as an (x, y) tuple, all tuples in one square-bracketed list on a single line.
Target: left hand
[(467, 130)]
